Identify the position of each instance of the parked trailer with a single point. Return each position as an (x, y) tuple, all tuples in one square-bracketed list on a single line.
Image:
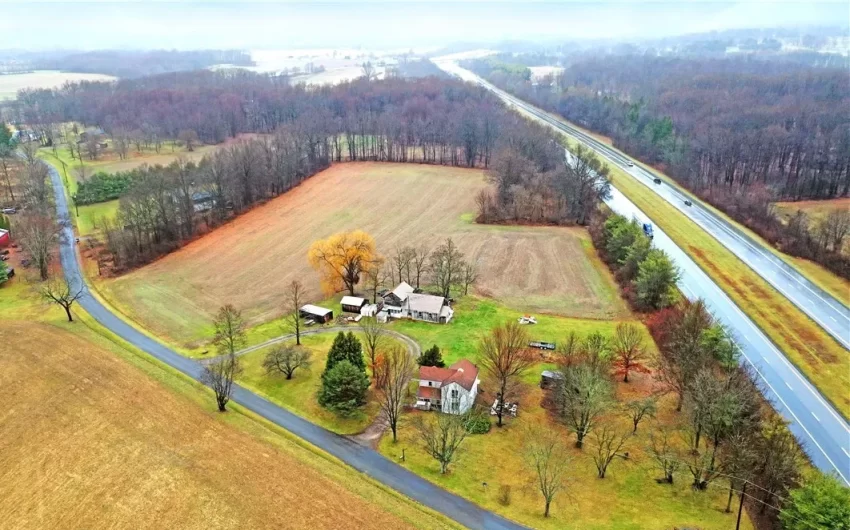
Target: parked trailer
[(542, 345)]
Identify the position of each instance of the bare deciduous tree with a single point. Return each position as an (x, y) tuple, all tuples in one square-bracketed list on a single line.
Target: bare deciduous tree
[(376, 277), (639, 409), (37, 234), (219, 374), (446, 266), (505, 358), (398, 366), (442, 435), (419, 264), (229, 330), (584, 393), (469, 275), (286, 359), (664, 453), (629, 350), (373, 335), (549, 459), (59, 290), (608, 443), (189, 139), (369, 71), (294, 299)]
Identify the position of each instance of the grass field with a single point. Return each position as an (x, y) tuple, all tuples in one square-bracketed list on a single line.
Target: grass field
[(10, 84), (299, 393), (97, 434), (816, 210), (109, 162), (627, 498), (476, 316), (249, 261), (810, 348)]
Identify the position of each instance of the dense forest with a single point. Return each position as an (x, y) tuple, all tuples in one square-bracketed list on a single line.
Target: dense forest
[(427, 120), (740, 133), (121, 63)]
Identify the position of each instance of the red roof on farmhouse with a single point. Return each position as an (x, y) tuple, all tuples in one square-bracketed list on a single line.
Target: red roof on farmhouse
[(428, 392), (462, 372)]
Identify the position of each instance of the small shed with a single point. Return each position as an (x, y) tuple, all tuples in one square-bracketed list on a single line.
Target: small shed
[(352, 304), (5, 238), (548, 378), (319, 314)]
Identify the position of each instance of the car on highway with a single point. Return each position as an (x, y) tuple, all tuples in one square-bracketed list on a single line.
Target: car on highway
[(630, 163), (647, 230), (656, 180), (688, 202)]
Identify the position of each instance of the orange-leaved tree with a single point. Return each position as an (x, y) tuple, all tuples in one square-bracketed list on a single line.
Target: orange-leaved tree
[(342, 258)]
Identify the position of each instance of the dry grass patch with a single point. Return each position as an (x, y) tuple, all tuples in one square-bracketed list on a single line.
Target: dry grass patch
[(628, 497), (249, 261), (90, 440)]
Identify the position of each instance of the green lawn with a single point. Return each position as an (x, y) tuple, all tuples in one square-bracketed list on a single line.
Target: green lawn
[(299, 393), (474, 317), (91, 216)]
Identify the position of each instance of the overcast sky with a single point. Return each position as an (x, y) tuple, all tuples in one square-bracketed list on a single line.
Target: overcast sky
[(400, 24)]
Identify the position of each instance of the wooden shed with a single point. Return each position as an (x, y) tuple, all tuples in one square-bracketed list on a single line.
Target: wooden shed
[(319, 314), (353, 304)]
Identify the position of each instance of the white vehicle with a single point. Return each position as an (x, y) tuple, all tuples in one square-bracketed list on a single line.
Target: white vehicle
[(630, 163)]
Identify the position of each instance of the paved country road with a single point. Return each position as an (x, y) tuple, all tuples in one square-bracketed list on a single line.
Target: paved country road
[(360, 458), (823, 433)]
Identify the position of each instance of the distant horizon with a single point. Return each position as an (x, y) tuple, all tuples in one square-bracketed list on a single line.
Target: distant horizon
[(72, 26)]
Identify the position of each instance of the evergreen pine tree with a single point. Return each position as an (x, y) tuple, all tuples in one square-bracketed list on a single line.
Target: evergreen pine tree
[(431, 357)]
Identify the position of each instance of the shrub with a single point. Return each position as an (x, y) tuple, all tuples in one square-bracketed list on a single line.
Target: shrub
[(478, 423), (102, 187), (504, 495)]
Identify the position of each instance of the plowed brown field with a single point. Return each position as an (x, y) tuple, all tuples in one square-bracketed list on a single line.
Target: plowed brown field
[(91, 441), (249, 261)]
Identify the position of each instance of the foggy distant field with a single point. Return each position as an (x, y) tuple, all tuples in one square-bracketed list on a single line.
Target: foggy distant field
[(11, 83)]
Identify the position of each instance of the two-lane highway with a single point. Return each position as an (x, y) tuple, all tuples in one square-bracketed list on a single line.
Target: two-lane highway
[(826, 310), (823, 433)]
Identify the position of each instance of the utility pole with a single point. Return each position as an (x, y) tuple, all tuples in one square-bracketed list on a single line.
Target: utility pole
[(741, 506)]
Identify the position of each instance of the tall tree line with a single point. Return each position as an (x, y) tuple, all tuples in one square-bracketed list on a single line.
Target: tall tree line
[(740, 133), (426, 121)]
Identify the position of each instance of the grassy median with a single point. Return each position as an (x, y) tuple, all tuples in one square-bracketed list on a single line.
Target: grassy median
[(805, 343)]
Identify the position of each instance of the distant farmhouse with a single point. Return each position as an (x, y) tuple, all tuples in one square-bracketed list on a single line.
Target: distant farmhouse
[(404, 302), (451, 390)]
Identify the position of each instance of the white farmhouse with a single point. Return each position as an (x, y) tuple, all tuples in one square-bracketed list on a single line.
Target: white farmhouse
[(451, 390), (403, 302)]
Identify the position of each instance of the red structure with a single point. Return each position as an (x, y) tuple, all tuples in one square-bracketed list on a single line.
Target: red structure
[(5, 239)]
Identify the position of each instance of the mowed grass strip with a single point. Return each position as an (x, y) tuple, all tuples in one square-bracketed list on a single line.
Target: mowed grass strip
[(249, 261), (91, 440), (808, 346)]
